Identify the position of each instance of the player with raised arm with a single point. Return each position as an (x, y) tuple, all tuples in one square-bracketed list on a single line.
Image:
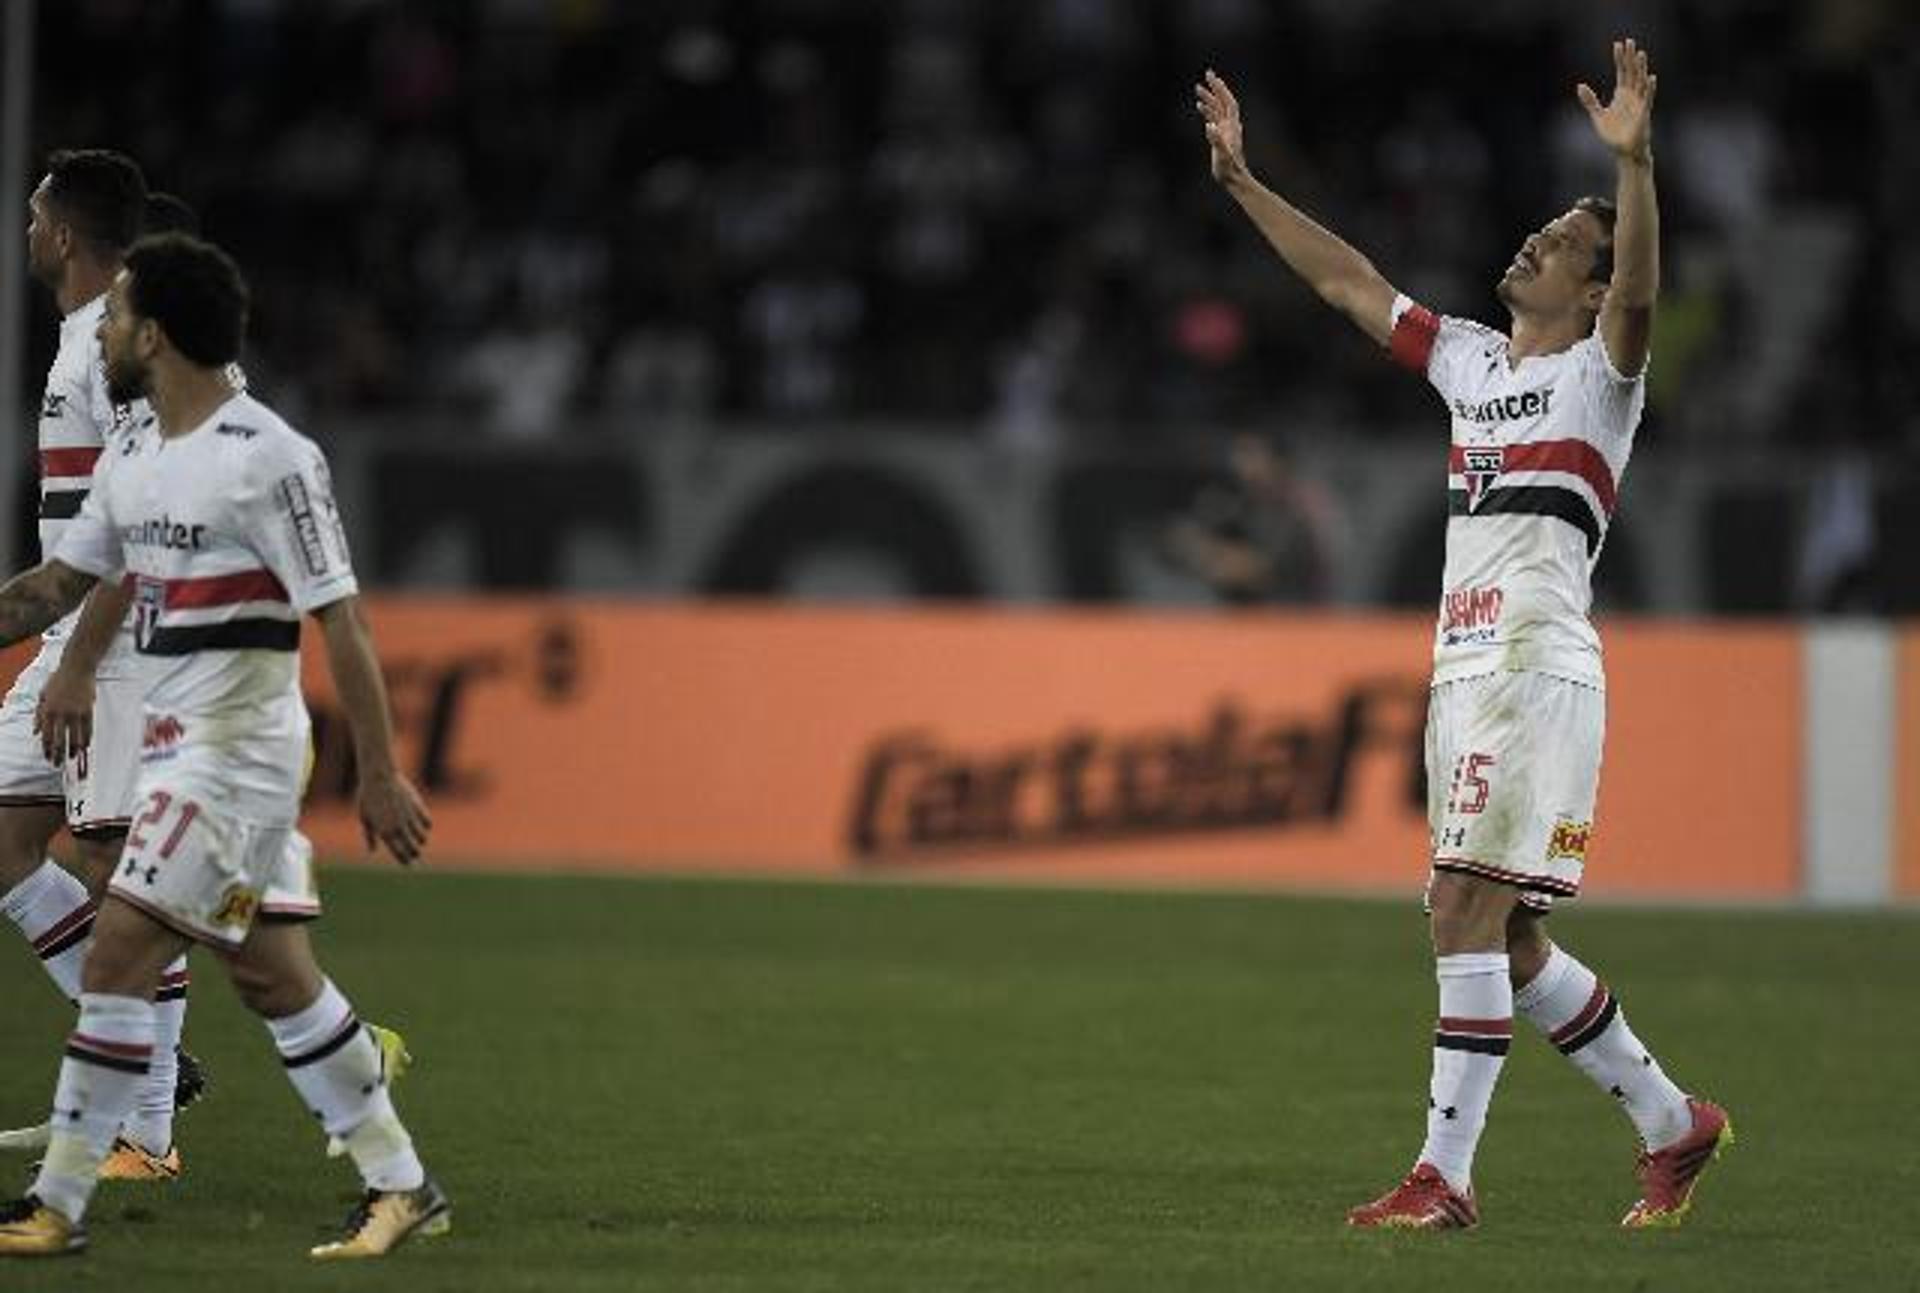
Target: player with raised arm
[(222, 518), (1543, 423)]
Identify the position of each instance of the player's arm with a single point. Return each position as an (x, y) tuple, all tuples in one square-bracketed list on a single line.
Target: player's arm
[(1341, 276), (31, 601), (64, 718), (1625, 125), (391, 810)]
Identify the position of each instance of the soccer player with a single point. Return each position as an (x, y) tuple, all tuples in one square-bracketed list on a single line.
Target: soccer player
[(83, 215), (54, 911), (223, 519), (1543, 423)]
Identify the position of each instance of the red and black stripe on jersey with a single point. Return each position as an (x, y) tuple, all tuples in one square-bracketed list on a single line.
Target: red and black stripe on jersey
[(65, 477), (1574, 458), (260, 590)]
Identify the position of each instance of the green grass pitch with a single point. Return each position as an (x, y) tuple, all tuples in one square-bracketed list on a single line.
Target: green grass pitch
[(751, 1086)]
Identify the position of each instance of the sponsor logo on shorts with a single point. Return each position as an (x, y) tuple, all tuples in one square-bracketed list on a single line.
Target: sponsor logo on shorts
[(1569, 840), (237, 906), (162, 737)]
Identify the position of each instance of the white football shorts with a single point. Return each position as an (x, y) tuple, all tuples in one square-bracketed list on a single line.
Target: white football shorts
[(97, 787), (1513, 767), (209, 874)]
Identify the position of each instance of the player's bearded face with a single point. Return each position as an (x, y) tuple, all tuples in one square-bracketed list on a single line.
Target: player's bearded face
[(120, 335)]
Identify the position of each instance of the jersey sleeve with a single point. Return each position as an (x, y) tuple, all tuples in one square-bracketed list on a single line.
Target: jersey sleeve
[(292, 522), (1615, 399), (90, 542), (1437, 346)]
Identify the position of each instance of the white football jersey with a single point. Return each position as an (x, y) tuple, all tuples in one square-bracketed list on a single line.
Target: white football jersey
[(1538, 451), (231, 534), (77, 421)]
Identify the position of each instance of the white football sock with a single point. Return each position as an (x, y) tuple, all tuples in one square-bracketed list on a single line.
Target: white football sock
[(55, 914), (1470, 1044), (335, 1064), (1568, 1002), (107, 1055), (151, 1124)]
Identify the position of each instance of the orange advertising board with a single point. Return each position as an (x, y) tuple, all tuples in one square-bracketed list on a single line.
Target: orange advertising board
[(1906, 784), (1103, 746), (1187, 749)]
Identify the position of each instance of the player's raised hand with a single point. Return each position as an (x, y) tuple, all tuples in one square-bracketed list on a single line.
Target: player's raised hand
[(1625, 124), (1213, 99), (392, 813)]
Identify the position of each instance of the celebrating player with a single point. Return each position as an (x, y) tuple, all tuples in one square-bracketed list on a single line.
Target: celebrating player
[(223, 518), (1543, 423)]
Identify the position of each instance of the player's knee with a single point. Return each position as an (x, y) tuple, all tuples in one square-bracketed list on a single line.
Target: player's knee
[(1468, 914), (125, 959), (95, 858), (24, 836), (1528, 946), (275, 974), (256, 986)]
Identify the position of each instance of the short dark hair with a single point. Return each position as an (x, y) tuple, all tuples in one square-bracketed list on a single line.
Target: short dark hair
[(194, 291), (1603, 210), (167, 213), (101, 193)]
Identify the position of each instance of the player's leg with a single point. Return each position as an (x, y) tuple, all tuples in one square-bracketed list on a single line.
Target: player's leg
[(293, 897), (46, 903), (102, 804), (1580, 1016), (338, 1068), (1470, 771), (106, 1057)]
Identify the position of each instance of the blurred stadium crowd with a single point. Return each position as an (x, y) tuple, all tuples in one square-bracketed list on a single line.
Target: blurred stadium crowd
[(992, 213), (968, 251)]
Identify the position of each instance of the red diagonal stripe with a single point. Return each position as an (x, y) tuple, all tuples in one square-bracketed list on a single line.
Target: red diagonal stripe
[(68, 462), (225, 590), (60, 928), (1575, 457), (130, 1050), (1480, 1027), (1595, 1004)]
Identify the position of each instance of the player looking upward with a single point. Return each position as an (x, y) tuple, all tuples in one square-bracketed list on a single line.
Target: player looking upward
[(1543, 423), (223, 519)]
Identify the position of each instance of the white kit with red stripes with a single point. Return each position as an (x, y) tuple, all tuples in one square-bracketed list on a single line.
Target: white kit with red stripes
[(230, 535), (77, 420), (1538, 450)]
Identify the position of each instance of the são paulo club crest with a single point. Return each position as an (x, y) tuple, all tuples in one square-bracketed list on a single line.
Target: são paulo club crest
[(1481, 468)]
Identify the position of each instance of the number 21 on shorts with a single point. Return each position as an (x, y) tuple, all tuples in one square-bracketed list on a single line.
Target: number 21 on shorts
[(158, 804)]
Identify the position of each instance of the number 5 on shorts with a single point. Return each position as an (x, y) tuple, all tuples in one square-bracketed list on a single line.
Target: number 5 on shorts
[(1470, 789)]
